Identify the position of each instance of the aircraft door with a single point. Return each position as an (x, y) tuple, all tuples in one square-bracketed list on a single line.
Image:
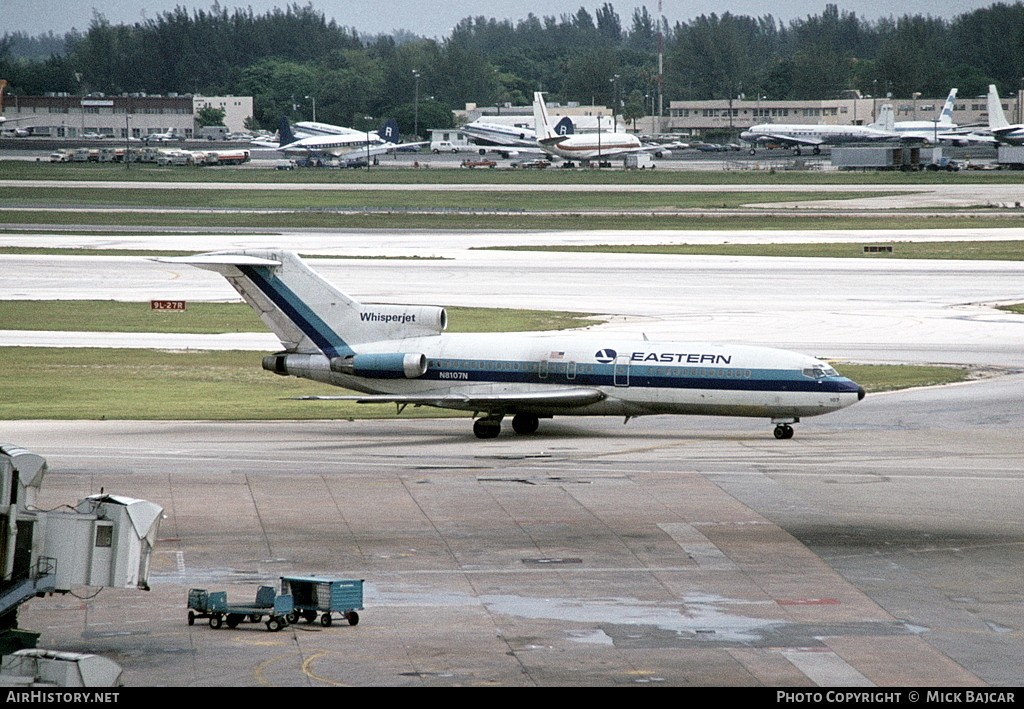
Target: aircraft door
[(620, 372)]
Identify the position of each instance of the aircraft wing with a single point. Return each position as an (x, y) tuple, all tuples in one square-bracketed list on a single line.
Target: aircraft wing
[(382, 149), (787, 139), (966, 137), (575, 396)]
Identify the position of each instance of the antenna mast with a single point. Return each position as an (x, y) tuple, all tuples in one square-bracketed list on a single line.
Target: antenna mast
[(661, 67)]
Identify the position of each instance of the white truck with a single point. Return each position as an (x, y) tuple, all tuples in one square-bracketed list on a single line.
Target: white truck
[(443, 146)]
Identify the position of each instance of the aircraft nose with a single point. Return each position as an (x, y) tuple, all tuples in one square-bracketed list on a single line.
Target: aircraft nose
[(861, 393)]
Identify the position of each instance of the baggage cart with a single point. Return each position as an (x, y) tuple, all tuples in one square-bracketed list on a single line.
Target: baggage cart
[(215, 606), (314, 595)]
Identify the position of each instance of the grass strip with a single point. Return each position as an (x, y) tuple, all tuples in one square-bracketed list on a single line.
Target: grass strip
[(891, 377), (214, 318), (385, 174), (94, 383), (539, 200), (1014, 308)]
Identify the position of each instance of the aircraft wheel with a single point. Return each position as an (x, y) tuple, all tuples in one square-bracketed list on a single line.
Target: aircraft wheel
[(817, 150), (783, 431), (753, 152), (525, 423), (487, 428), (796, 151)]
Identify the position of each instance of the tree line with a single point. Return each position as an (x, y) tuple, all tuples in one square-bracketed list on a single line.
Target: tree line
[(288, 58)]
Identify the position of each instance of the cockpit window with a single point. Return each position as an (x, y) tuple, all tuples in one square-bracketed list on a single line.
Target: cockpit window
[(819, 371)]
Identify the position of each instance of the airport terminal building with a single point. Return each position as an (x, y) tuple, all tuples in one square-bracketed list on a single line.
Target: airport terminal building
[(724, 115), (134, 116)]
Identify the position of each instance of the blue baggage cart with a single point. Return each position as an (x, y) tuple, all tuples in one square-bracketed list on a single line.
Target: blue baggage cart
[(315, 595), (215, 606)]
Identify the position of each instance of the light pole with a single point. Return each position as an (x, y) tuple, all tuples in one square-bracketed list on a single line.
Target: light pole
[(127, 135), (615, 106), (1020, 110), (313, 99), (416, 107)]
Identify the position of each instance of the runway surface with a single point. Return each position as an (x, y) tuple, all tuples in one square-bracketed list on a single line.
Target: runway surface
[(880, 547)]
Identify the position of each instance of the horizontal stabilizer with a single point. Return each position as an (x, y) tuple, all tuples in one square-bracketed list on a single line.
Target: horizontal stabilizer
[(215, 259)]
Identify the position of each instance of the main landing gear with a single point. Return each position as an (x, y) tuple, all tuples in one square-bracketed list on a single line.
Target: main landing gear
[(487, 427), (783, 430), (490, 426)]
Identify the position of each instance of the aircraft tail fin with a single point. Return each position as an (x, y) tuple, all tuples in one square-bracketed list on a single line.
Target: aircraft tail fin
[(307, 313), (946, 114), (565, 126), (284, 132), (886, 119), (996, 117), (542, 124), (389, 131)]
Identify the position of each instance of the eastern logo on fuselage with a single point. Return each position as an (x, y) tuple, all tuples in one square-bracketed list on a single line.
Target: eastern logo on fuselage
[(680, 358), (605, 356)]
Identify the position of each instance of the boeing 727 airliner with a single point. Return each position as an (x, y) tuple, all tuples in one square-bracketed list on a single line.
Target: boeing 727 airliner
[(400, 354)]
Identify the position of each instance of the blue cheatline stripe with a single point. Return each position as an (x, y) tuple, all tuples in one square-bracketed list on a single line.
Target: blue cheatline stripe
[(457, 370), (329, 342)]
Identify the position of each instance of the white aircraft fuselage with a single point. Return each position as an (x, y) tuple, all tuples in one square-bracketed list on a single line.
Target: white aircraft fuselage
[(400, 354), (592, 146), (814, 135), (631, 378)]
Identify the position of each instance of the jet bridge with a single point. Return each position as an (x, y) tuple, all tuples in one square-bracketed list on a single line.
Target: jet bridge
[(106, 540)]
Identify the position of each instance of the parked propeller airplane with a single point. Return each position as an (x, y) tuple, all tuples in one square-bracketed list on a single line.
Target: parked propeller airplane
[(352, 144), (814, 136), (400, 354)]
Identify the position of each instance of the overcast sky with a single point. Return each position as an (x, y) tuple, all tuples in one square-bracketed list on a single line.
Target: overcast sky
[(41, 16)]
